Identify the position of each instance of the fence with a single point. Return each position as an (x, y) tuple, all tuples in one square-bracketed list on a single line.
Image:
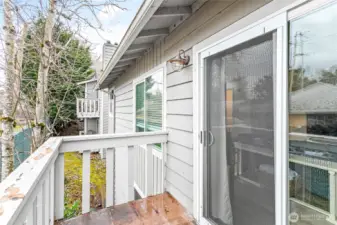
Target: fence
[(22, 145)]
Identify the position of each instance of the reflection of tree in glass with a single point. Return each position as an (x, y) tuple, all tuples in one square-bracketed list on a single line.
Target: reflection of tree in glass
[(298, 79), (329, 76), (264, 88)]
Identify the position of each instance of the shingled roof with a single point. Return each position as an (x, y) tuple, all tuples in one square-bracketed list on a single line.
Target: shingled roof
[(315, 98)]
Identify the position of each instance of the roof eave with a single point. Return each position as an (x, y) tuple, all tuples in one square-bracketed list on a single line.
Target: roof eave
[(148, 8)]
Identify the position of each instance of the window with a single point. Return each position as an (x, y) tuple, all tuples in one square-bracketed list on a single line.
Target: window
[(313, 116), (149, 103)]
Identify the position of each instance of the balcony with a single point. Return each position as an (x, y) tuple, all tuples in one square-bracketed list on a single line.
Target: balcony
[(34, 192), (87, 108)]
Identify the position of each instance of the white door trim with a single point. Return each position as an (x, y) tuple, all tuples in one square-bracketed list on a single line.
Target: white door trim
[(277, 23)]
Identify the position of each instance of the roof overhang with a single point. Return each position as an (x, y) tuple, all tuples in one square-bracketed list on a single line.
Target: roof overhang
[(87, 81), (152, 22)]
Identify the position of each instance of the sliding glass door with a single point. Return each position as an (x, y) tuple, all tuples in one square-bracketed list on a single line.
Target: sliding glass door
[(240, 127), (241, 159)]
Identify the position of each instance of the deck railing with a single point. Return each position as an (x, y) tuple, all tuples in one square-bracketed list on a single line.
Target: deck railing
[(87, 108), (149, 170), (34, 192)]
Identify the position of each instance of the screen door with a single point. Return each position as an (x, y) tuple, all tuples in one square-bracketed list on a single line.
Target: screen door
[(238, 179)]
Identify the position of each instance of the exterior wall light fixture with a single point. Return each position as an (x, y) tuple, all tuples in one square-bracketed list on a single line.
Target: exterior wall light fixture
[(179, 63)]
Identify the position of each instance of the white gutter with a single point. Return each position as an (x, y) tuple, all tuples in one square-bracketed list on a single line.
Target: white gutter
[(144, 14), (86, 81)]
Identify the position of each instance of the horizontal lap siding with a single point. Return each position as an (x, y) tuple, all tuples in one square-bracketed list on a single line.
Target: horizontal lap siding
[(105, 113), (124, 110), (179, 123)]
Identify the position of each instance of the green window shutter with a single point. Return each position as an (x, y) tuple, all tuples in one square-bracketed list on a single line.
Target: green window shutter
[(154, 102), (140, 115)]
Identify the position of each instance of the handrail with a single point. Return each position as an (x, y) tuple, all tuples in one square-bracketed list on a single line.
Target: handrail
[(18, 188), (87, 142), (35, 190)]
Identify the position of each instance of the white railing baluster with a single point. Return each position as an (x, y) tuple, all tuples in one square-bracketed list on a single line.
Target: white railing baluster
[(40, 206), (109, 176), (155, 171), (142, 172), (159, 176), (95, 107), (46, 195), (149, 171), (59, 187), (86, 182), (52, 194), (163, 160), (31, 218), (137, 165), (130, 152), (91, 109)]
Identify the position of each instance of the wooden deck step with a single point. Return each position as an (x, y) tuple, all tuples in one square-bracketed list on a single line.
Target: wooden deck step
[(153, 210)]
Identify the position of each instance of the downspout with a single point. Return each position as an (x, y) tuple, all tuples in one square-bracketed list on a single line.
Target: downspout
[(114, 114)]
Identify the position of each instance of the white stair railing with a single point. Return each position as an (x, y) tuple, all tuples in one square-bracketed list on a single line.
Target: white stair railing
[(34, 192)]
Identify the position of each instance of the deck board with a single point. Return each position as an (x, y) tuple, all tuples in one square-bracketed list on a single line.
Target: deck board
[(154, 210)]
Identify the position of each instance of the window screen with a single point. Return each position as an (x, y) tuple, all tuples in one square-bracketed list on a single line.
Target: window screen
[(149, 103), (140, 107)]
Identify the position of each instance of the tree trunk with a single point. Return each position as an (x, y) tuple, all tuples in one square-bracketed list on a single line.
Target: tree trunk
[(42, 79), (18, 66), (7, 138)]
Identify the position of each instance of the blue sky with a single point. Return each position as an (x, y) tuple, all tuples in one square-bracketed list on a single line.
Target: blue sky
[(114, 25), (115, 22)]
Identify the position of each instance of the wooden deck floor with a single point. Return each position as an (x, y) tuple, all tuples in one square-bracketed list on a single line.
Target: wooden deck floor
[(154, 210)]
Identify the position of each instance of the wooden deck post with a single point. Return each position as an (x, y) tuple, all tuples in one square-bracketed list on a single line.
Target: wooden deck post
[(110, 167)]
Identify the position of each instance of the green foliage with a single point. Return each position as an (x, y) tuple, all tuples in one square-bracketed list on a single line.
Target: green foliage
[(73, 183), (70, 64), (299, 80), (72, 210)]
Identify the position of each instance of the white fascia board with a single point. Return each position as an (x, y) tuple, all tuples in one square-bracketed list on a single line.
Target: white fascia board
[(86, 81), (146, 11)]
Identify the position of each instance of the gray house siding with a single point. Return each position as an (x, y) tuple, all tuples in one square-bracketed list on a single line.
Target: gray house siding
[(212, 17), (105, 108), (92, 126), (91, 93), (124, 111)]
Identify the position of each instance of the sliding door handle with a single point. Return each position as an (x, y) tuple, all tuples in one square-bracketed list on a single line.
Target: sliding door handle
[(211, 138)]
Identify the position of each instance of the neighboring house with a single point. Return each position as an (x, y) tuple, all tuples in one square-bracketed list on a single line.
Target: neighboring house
[(313, 105), (88, 108), (214, 130), (94, 107)]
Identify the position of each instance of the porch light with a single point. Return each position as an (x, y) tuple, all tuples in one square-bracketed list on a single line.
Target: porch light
[(181, 62)]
